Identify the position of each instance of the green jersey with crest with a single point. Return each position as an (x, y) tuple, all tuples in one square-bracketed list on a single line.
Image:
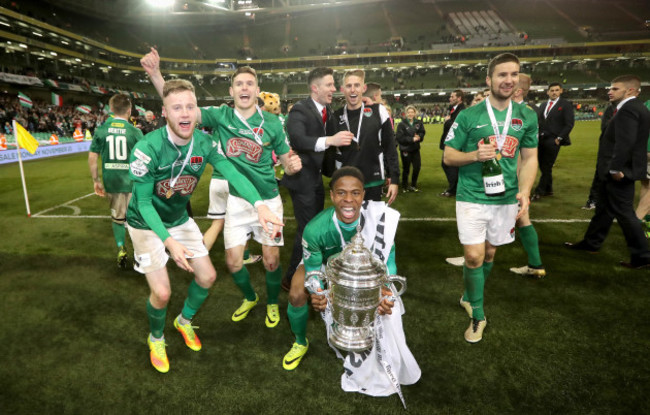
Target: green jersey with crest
[(471, 127), (156, 161), (321, 239), (113, 141), (249, 147)]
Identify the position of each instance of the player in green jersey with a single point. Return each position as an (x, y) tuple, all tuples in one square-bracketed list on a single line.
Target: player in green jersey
[(165, 167), (485, 222), (114, 141), (248, 136), (325, 235)]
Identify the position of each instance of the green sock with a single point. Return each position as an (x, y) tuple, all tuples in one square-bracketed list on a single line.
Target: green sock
[(487, 268), (646, 218), (298, 321), (474, 284), (196, 295), (273, 285), (530, 241), (247, 254), (156, 319), (243, 281), (119, 232)]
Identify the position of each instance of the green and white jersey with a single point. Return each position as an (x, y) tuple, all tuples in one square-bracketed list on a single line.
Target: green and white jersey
[(155, 162), (471, 127), (216, 174), (113, 141), (321, 239), (249, 147)]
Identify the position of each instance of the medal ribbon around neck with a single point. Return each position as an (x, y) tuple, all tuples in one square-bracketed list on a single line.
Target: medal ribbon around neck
[(347, 123), (338, 228), (501, 137), (258, 139), (172, 179)]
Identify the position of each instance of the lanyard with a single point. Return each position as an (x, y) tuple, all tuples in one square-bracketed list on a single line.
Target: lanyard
[(257, 137), (338, 228), (501, 137), (172, 179), (347, 122)]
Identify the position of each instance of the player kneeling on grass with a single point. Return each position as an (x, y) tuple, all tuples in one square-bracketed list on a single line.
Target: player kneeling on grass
[(165, 167), (326, 235)]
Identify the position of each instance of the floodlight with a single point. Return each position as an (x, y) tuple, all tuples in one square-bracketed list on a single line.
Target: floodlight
[(161, 3)]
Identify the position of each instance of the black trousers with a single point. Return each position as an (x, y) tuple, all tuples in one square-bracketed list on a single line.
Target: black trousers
[(373, 193), (452, 177), (547, 152), (616, 201), (410, 158), (307, 203), (595, 186)]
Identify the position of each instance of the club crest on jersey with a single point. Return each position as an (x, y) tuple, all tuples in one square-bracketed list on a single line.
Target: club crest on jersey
[(238, 146), (509, 148), (184, 186), (259, 132), (367, 112), (516, 124), (196, 162)]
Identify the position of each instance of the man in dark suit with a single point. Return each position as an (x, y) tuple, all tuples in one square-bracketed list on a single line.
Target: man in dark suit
[(556, 120), (622, 159), (308, 124), (456, 105)]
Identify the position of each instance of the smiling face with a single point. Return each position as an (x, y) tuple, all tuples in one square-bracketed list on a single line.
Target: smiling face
[(347, 197), (244, 90), (323, 89), (181, 113), (410, 114), (353, 89), (503, 80)]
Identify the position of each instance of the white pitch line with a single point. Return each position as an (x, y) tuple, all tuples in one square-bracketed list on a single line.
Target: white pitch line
[(39, 214), (292, 218)]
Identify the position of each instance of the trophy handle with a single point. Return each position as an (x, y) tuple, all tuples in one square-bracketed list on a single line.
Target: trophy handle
[(402, 282), (315, 280)]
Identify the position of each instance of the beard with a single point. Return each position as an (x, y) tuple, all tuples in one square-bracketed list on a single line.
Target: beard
[(177, 131)]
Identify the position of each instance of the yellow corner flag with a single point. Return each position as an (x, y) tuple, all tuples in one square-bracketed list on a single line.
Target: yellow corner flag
[(24, 139)]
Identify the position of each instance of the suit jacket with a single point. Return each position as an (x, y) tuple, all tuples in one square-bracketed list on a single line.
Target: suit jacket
[(559, 121), (447, 126), (304, 127), (623, 145)]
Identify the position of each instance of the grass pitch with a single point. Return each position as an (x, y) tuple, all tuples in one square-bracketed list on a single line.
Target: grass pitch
[(73, 326)]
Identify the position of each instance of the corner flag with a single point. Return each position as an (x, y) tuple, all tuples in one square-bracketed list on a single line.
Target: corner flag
[(24, 139)]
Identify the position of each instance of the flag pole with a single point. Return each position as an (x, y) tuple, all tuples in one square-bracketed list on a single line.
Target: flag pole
[(22, 173)]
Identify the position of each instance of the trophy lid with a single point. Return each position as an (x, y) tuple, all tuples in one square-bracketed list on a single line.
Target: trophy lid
[(355, 263)]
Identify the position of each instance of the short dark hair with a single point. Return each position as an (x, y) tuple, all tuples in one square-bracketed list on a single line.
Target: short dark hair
[(499, 59), (552, 84), (120, 104), (346, 171), (632, 81), (318, 73), (371, 89), (459, 93)]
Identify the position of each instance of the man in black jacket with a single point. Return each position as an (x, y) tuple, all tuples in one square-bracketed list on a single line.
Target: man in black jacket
[(409, 135), (308, 125), (622, 159), (556, 119), (456, 105)]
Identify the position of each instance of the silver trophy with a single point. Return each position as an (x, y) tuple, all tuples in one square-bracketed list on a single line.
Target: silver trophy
[(355, 278)]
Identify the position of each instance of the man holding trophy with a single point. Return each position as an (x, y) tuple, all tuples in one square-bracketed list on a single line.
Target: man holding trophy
[(326, 236)]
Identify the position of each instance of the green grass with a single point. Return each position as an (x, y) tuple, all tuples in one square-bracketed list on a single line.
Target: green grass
[(73, 326)]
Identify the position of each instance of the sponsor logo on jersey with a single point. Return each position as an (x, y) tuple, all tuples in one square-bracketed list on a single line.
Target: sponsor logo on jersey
[(138, 168), (117, 124), (238, 146), (367, 112), (196, 162), (516, 124), (510, 145), (141, 156), (184, 186)]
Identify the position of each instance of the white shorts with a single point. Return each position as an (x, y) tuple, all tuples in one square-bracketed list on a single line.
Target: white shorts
[(119, 202), (149, 251), (219, 192), (478, 223), (241, 221)]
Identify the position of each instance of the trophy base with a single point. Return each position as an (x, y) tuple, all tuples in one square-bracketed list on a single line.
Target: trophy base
[(352, 339)]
